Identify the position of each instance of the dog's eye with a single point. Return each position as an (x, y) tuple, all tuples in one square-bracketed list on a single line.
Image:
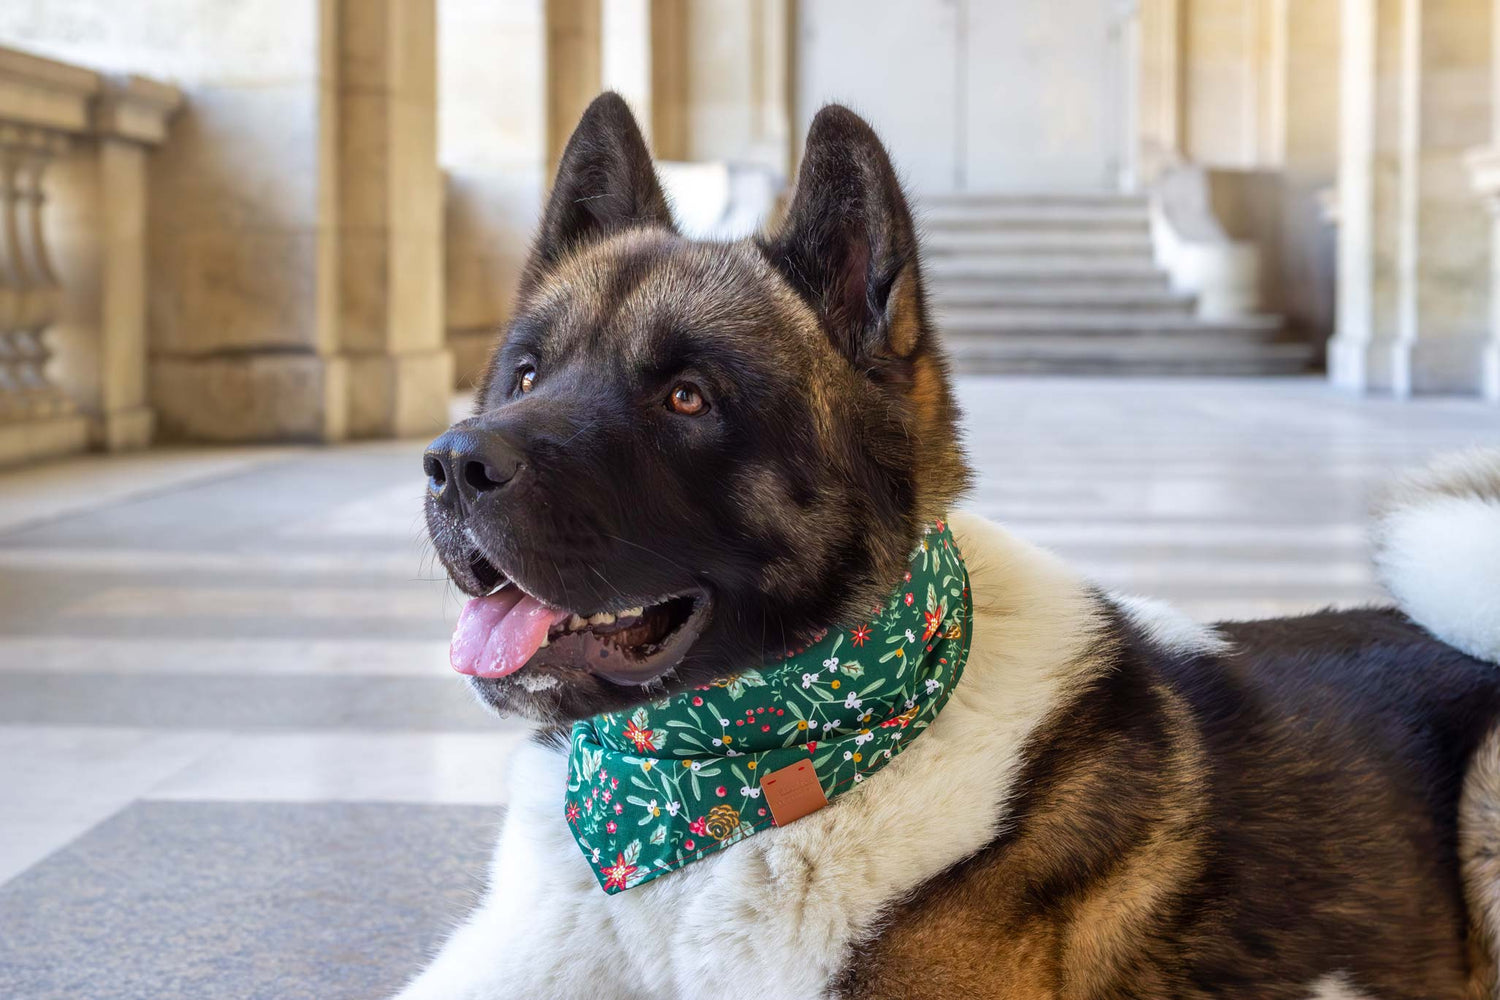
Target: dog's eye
[(527, 378), (687, 400)]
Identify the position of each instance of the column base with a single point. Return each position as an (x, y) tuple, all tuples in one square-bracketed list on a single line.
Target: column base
[(1449, 365), (1465, 366), (43, 438), (401, 395), (1362, 365), (251, 397), (123, 430)]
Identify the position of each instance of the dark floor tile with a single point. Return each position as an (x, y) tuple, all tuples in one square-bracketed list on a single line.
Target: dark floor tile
[(253, 902)]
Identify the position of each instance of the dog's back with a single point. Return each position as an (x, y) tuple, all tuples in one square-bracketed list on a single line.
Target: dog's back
[(1309, 809)]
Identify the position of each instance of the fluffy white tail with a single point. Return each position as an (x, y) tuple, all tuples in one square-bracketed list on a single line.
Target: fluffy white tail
[(1437, 549)]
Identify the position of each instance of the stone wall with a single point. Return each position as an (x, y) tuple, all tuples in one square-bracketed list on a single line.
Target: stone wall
[(293, 226), (491, 137)]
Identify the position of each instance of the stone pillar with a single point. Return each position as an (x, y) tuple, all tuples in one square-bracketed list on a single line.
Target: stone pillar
[(293, 220), (1414, 254), (739, 83), (244, 220), (492, 147), (389, 251), (1484, 172), (1159, 90), (574, 69), (669, 79), (100, 222), (626, 64)]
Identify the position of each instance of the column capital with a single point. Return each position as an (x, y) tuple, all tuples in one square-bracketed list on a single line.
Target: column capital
[(135, 108)]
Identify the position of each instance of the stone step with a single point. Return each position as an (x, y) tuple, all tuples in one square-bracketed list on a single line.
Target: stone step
[(989, 243), (1034, 218), (1057, 199), (1020, 323), (1060, 297), (1127, 354), (1043, 270)]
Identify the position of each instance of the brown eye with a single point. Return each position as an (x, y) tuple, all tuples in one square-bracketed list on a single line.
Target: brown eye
[(527, 380), (687, 400)]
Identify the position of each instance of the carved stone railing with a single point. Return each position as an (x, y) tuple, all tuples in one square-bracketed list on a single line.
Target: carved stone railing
[(73, 147), (1484, 175)]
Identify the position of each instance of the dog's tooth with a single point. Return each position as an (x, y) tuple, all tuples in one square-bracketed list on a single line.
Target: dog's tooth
[(632, 613), (602, 618), (577, 622), (546, 641)]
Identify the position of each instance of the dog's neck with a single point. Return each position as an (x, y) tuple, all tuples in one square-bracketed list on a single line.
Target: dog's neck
[(676, 780)]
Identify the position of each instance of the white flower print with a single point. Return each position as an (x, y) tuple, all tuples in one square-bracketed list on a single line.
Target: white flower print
[(808, 680), (934, 685), (673, 807), (864, 737), (831, 724), (832, 663), (753, 793), (853, 700), (911, 636)]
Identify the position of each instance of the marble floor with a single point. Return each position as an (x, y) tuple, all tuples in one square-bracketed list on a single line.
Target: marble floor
[(233, 761)]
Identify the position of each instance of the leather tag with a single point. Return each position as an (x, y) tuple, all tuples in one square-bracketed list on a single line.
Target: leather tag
[(793, 791)]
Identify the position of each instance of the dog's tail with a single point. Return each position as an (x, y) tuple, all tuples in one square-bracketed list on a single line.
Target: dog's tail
[(1437, 549)]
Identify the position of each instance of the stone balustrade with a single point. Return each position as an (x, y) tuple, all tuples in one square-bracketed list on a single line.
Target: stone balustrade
[(73, 147)]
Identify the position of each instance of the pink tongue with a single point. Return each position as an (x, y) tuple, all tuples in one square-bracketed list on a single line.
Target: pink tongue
[(496, 635)]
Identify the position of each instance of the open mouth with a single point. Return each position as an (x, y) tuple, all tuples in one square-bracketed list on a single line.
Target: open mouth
[(508, 629)]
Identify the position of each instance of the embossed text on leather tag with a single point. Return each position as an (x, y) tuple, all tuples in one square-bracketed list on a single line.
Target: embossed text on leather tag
[(793, 791)]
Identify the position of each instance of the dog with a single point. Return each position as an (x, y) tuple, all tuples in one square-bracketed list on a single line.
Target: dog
[(688, 458)]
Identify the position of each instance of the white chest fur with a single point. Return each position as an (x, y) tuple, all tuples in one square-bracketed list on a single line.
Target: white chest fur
[(775, 916)]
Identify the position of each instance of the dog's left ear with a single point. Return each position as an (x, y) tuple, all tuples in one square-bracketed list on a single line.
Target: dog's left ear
[(848, 245), (605, 183)]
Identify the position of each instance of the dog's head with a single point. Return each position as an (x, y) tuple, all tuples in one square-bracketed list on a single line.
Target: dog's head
[(687, 458)]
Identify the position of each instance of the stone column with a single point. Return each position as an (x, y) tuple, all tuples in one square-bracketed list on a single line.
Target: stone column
[(100, 226), (1159, 90), (669, 79), (389, 251), (574, 69), (1414, 253), (1484, 172), (492, 147)]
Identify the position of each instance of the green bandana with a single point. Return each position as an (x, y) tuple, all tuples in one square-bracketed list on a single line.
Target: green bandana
[(680, 778)]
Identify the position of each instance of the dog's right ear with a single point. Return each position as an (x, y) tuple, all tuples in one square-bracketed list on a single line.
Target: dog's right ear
[(849, 246), (605, 183)]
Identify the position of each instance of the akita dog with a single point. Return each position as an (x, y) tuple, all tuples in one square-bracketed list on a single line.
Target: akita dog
[(804, 730)]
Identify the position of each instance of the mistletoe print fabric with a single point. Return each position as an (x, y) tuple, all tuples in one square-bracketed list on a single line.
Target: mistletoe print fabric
[(672, 781)]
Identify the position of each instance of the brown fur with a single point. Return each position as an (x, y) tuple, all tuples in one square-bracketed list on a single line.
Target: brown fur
[(1158, 848)]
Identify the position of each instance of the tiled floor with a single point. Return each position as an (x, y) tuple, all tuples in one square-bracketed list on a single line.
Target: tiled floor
[(233, 761)]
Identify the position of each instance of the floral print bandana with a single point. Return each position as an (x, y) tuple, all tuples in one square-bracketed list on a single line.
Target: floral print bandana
[(675, 780)]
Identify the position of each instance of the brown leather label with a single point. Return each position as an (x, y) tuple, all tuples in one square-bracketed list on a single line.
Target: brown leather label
[(793, 791)]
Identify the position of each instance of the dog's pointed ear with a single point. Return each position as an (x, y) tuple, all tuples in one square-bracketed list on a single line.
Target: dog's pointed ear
[(605, 183), (848, 244)]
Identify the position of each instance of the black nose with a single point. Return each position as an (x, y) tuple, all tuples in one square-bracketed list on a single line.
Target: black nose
[(464, 465)]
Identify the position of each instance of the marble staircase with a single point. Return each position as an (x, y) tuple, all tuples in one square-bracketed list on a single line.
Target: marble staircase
[(1066, 283)]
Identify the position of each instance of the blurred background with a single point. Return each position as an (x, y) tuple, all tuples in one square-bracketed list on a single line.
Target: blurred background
[(1210, 270)]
